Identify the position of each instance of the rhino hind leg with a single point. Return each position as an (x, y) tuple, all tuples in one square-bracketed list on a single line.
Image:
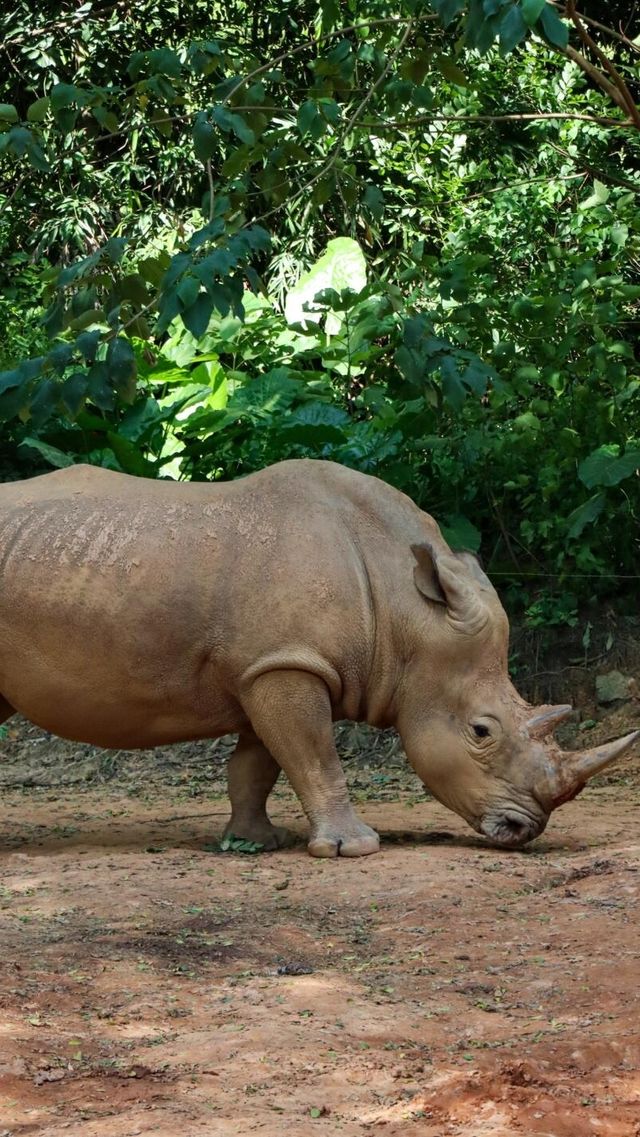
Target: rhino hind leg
[(291, 712), (6, 710), (251, 776)]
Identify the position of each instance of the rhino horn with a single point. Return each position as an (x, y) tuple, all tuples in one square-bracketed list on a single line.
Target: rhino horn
[(546, 719), (572, 770)]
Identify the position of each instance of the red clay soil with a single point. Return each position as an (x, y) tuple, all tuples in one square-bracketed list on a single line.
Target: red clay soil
[(150, 985)]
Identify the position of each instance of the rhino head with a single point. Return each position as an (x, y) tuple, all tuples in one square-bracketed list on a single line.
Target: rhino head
[(473, 741)]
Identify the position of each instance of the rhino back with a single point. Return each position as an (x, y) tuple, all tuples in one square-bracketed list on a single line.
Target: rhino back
[(163, 596)]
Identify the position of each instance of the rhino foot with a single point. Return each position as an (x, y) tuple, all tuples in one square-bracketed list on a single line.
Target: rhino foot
[(354, 839), (261, 832)]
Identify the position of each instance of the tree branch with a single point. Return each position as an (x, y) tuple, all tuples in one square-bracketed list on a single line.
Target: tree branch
[(623, 96), (532, 117), (562, 10)]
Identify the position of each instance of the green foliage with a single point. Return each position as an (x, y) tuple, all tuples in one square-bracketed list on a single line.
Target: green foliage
[(233, 844), (312, 238)]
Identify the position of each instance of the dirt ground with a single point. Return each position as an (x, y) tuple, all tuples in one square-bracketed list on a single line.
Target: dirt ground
[(150, 984)]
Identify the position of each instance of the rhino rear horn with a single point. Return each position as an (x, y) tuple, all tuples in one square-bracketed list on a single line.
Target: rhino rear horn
[(546, 719), (445, 578)]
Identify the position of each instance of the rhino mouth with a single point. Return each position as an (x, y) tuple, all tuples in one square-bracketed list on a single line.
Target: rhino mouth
[(510, 830)]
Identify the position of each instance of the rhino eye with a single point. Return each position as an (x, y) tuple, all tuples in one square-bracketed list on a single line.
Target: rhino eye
[(480, 730)]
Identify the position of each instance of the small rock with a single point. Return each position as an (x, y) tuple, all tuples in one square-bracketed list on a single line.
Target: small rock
[(294, 968), (614, 687), (49, 1075)]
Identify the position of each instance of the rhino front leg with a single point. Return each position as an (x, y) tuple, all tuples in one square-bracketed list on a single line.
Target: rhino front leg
[(251, 776), (291, 712)]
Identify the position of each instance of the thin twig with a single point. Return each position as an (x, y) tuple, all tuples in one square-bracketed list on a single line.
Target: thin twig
[(603, 174), (243, 80), (7, 201), (333, 158), (503, 530), (334, 154), (527, 182), (211, 189)]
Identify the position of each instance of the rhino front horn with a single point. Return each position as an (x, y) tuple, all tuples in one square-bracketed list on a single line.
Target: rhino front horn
[(574, 769), (546, 719)]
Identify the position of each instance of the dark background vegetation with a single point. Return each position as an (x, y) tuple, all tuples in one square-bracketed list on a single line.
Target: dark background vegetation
[(458, 181)]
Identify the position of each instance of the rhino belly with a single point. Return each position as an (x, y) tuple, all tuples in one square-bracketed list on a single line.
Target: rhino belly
[(135, 681)]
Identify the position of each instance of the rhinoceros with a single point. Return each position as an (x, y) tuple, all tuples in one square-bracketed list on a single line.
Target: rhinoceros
[(135, 613)]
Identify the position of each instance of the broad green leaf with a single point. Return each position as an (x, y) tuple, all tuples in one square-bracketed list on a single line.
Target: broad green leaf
[(152, 269), (211, 374), (106, 118), (114, 249), (554, 30), (329, 110), (452, 385), (263, 395), (448, 9), (37, 112), (66, 118), (205, 138), (584, 514), (121, 365), (531, 10), (315, 414), (606, 467), (527, 421), (341, 266), (63, 95), (310, 121), (373, 201), (18, 139), (157, 62), (512, 29), (460, 533), (619, 234), (316, 425), (233, 123), (52, 455), (44, 401), (9, 380), (196, 317), (188, 290), (133, 287), (37, 157), (140, 420), (313, 438), (129, 457), (599, 196), (74, 391), (100, 390), (450, 70), (8, 113), (477, 375), (330, 15), (60, 356), (87, 344)]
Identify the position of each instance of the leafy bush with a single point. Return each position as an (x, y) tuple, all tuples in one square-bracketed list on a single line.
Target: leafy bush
[(475, 345)]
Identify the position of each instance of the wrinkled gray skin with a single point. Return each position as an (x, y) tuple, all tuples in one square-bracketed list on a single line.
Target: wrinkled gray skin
[(135, 613)]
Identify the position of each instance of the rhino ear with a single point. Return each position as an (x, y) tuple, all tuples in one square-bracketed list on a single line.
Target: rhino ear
[(425, 574), (446, 577)]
